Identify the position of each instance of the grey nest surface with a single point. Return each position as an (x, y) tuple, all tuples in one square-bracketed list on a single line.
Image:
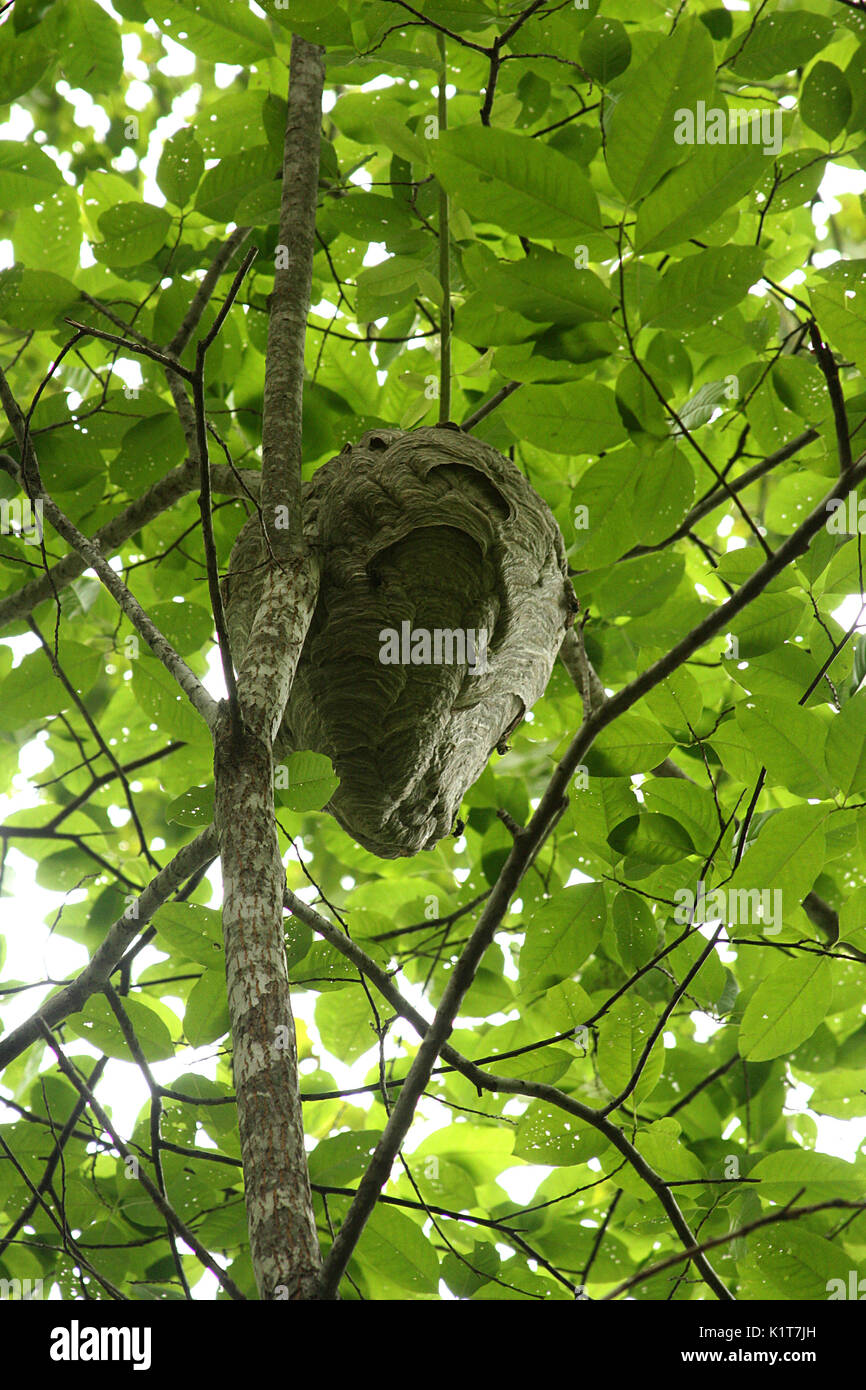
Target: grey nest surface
[(419, 533)]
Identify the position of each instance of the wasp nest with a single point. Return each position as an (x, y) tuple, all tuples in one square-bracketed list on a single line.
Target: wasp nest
[(444, 599)]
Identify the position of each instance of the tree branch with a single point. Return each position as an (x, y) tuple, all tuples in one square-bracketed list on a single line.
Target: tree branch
[(290, 302)]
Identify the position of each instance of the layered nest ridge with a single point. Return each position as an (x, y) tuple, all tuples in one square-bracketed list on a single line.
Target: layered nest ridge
[(444, 599)]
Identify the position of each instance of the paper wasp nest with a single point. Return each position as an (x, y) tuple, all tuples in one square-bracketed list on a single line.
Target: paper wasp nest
[(444, 600)]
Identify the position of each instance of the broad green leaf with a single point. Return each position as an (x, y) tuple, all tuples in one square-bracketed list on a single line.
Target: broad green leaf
[(23, 62), (810, 1177), (192, 930), (702, 287), (636, 931), (181, 166), (663, 1148), (149, 449), (631, 744), (91, 53), (345, 1022), (207, 1009), (133, 233), (344, 1158), (790, 742), (623, 1034), (26, 175), (34, 298), (846, 746), (163, 701), (518, 183), (396, 1249), (195, 807), (580, 418), (465, 1276), (786, 1007), (825, 101), (560, 935), (789, 1262), (605, 49), (543, 287), (33, 691), (96, 1024), (306, 782), (696, 193), (47, 236), (549, 1135), (788, 854), (780, 42), (765, 623), (212, 30), (838, 304), (236, 176), (640, 144)]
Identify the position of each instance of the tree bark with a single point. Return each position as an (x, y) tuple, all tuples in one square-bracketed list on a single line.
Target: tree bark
[(283, 1240)]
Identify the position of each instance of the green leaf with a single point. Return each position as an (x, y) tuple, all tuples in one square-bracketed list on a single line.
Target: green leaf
[(207, 1009), (181, 166), (212, 30), (788, 854), (34, 298), (786, 1008), (195, 807), (561, 934), (149, 449), (846, 746), (605, 49), (26, 175), (782, 41), (580, 418), (810, 1177), (631, 744), (47, 237), (825, 101), (520, 184), (640, 142), (133, 233), (23, 61), (191, 930), (345, 1023), (32, 690), (838, 304), (663, 1148), (623, 1034), (549, 1135), (236, 176), (163, 702), (91, 56), (342, 1159), (465, 1276), (96, 1024), (636, 931), (694, 195), (544, 287), (309, 780), (702, 287), (765, 623), (790, 742), (397, 1250)]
